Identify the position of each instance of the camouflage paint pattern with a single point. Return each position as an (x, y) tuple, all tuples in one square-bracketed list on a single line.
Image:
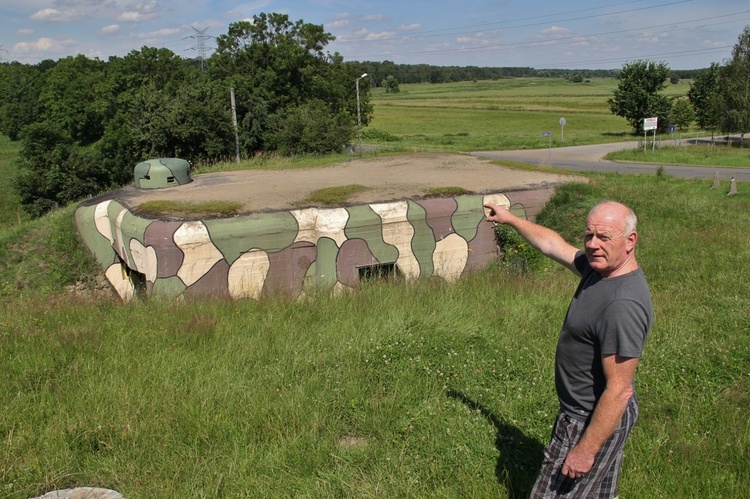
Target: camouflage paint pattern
[(289, 252)]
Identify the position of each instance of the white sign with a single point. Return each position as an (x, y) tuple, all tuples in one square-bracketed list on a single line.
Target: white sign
[(546, 134), (562, 121), (649, 123)]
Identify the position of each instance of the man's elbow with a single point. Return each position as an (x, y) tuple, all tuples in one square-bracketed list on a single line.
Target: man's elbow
[(621, 393)]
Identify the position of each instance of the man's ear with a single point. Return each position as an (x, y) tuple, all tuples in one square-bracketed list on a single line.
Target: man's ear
[(631, 240)]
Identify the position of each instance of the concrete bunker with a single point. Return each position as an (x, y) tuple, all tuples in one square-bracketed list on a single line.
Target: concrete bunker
[(293, 251)]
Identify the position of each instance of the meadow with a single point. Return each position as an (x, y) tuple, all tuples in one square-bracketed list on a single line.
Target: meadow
[(499, 114), (422, 389)]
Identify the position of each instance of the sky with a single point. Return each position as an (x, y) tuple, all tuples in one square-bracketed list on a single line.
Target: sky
[(582, 34)]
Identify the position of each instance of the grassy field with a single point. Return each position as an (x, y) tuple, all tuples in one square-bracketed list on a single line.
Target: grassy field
[(499, 114), (731, 155), (422, 390), (396, 390)]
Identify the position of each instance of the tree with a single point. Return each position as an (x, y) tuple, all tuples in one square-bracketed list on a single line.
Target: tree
[(734, 88), (276, 66), (682, 113), (703, 94), (20, 86), (53, 171), (390, 84), (637, 94), (69, 98), (310, 128), (575, 78)]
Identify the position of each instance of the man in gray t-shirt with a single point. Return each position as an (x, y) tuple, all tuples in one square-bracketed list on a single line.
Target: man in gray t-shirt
[(598, 350)]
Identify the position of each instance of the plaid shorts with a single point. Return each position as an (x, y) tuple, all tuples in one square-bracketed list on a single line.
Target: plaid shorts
[(601, 481)]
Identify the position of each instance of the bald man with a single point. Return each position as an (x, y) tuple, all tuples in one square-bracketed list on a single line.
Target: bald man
[(598, 349)]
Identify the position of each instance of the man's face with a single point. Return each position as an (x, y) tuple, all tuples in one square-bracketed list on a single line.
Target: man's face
[(607, 247)]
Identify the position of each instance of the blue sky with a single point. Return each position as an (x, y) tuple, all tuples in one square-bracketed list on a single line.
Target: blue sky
[(585, 34)]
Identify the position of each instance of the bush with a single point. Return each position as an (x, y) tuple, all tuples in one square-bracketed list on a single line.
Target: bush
[(54, 172), (375, 135), (310, 128), (516, 254)]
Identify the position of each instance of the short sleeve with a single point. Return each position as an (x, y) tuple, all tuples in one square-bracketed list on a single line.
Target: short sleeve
[(623, 328)]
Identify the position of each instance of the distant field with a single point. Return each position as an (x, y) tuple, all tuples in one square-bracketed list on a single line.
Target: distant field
[(499, 114)]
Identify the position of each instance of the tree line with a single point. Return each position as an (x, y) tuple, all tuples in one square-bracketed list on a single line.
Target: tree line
[(425, 73)]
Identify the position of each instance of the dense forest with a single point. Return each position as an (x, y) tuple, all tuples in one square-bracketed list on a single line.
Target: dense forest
[(84, 123)]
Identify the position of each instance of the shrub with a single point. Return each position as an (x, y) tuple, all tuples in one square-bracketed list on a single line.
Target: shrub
[(310, 128), (516, 254)]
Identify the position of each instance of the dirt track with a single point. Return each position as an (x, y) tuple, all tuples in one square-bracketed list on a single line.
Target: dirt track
[(386, 179)]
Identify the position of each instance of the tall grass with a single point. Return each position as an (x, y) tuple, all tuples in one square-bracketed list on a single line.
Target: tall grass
[(43, 256), (399, 390)]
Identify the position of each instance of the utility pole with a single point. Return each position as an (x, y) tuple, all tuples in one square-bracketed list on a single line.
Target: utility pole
[(359, 117), (234, 123)]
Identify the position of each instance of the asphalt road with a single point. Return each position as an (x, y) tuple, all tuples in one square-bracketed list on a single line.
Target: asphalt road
[(589, 158)]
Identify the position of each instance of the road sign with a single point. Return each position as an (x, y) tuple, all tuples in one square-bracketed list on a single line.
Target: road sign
[(671, 128), (650, 123), (546, 134), (562, 129)]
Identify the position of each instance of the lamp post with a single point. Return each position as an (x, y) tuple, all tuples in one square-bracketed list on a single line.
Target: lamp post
[(359, 117)]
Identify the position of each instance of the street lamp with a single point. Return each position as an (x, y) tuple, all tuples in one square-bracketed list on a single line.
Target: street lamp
[(359, 117)]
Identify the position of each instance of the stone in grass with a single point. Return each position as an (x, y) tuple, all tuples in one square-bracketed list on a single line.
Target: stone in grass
[(716, 181), (82, 493), (732, 188)]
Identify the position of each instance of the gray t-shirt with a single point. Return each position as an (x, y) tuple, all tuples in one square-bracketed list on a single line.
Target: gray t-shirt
[(605, 316)]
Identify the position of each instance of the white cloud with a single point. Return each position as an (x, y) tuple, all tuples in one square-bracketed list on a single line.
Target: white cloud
[(78, 3), (44, 45), (410, 27), (110, 30), (375, 17), (133, 17), (25, 31), (382, 35), (56, 16), (161, 33), (347, 19), (341, 23), (140, 12), (557, 30), (648, 38)]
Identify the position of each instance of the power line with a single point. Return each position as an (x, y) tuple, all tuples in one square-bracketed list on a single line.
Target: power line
[(449, 31), (581, 38), (578, 38), (683, 53)]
